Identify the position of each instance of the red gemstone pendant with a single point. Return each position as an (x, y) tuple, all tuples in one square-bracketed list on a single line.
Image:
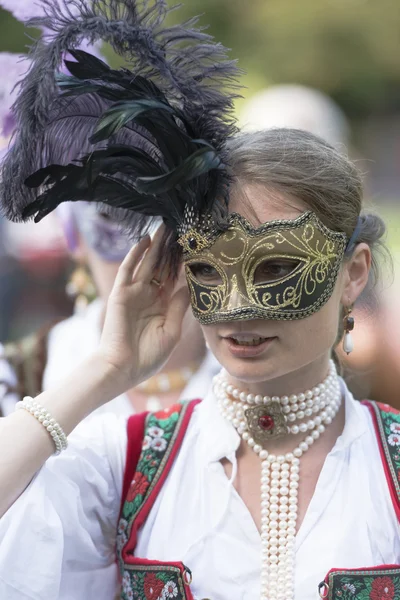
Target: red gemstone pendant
[(266, 422)]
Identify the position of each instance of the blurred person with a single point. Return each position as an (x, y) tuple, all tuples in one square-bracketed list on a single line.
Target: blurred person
[(297, 107)]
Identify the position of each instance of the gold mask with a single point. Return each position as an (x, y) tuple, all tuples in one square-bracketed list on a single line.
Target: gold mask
[(281, 270)]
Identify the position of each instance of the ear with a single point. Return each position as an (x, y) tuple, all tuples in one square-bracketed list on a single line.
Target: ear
[(355, 275)]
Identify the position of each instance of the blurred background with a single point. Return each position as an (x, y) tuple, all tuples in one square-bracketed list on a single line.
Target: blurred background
[(331, 66)]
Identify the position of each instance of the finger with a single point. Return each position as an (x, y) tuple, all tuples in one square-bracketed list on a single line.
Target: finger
[(146, 270), (131, 261), (176, 311)]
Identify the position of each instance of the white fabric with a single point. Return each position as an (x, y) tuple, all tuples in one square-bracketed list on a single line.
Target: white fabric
[(7, 378), (73, 340), (57, 541)]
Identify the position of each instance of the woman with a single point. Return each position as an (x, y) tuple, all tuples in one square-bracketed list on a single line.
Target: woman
[(177, 493), (208, 511)]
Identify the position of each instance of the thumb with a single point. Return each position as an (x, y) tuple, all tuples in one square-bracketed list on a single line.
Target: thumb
[(176, 311)]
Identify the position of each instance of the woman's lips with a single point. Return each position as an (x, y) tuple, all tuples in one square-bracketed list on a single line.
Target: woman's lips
[(247, 346)]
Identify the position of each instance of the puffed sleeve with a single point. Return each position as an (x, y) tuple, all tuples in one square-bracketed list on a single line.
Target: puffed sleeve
[(57, 541)]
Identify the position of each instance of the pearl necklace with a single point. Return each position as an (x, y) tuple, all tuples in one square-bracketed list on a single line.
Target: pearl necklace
[(288, 409), (279, 483)]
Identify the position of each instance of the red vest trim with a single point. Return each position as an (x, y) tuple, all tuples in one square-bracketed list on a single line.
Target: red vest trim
[(387, 426), (154, 440)]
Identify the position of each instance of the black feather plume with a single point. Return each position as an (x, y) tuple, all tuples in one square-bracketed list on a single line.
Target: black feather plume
[(147, 141)]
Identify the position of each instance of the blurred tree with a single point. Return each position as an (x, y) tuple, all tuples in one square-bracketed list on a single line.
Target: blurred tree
[(349, 49), (14, 37)]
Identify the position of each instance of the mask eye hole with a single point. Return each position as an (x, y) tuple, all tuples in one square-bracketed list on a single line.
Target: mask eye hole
[(205, 273), (274, 269)]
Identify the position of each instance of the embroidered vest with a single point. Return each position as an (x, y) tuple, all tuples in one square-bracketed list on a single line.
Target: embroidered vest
[(154, 440)]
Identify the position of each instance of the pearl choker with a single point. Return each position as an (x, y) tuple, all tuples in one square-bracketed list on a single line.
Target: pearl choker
[(256, 419), (274, 415)]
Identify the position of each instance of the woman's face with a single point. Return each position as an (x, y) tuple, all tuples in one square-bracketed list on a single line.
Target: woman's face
[(258, 350)]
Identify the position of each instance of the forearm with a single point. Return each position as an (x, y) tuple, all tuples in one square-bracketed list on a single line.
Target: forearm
[(25, 445)]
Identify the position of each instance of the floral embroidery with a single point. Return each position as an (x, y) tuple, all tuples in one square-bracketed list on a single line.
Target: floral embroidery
[(388, 421), (138, 485), (382, 589), (154, 449), (156, 432), (160, 584), (170, 590), (160, 581), (153, 587), (159, 444), (368, 584), (349, 587), (394, 439), (146, 442)]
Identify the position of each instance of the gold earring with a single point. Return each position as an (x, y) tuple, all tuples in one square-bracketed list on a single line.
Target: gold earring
[(81, 287), (348, 324)]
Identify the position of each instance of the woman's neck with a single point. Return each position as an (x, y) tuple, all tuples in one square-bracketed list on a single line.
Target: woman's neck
[(295, 382)]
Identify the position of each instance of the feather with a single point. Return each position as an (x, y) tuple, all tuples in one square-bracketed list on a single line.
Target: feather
[(144, 141), (121, 113), (200, 162)]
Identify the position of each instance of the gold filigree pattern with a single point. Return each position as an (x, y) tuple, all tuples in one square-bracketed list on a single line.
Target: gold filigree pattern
[(236, 254)]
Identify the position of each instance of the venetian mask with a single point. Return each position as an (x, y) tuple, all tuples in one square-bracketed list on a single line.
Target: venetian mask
[(283, 269)]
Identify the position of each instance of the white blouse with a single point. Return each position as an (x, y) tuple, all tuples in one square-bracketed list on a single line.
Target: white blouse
[(57, 541)]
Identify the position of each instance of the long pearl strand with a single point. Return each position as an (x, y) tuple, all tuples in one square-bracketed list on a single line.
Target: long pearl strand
[(280, 475)]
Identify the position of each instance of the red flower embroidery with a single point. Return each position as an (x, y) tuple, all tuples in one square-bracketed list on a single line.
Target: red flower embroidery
[(153, 587), (382, 589), (139, 485), (385, 407), (167, 412)]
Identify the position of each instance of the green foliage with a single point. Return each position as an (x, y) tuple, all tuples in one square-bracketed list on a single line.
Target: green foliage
[(14, 37), (347, 48)]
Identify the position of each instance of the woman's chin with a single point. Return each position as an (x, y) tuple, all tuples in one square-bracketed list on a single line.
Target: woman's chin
[(251, 371)]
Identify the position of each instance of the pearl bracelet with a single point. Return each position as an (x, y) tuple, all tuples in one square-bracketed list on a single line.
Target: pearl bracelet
[(45, 418)]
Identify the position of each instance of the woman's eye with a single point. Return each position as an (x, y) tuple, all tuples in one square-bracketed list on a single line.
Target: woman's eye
[(206, 273), (272, 270)]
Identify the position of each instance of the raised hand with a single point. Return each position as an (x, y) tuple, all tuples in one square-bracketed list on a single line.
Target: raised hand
[(144, 315)]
